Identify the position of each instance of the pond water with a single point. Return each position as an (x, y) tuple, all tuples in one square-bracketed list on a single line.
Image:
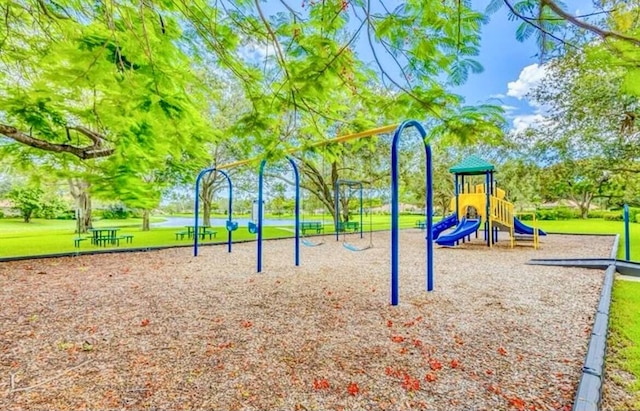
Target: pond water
[(221, 222)]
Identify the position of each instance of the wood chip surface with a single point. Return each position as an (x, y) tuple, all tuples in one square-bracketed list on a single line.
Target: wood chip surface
[(166, 330)]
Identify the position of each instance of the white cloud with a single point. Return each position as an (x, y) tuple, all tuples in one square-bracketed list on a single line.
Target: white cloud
[(525, 121), (499, 95), (529, 77), (508, 109)]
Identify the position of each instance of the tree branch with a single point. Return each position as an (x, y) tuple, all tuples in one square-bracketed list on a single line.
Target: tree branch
[(530, 21), (95, 150), (590, 27)]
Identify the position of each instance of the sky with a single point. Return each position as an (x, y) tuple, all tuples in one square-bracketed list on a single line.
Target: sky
[(511, 70)]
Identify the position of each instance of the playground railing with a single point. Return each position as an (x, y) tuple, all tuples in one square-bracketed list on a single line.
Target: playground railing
[(502, 212)]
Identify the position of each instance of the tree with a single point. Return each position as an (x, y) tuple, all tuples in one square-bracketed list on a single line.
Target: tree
[(580, 181), (27, 201), (105, 86)]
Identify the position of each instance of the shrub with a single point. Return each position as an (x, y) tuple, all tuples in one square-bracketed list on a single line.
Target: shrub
[(115, 212), (633, 213), (1, 214), (557, 213), (596, 214), (66, 215), (613, 216)]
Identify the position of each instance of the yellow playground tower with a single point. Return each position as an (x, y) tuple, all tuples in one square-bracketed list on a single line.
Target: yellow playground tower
[(475, 206)]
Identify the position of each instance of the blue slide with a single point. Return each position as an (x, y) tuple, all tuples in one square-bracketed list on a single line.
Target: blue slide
[(440, 226), (521, 228), (465, 228)]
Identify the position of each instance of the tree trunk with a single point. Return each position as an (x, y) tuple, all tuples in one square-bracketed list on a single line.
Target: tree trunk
[(80, 192), (585, 205), (206, 212), (145, 220), (206, 196)]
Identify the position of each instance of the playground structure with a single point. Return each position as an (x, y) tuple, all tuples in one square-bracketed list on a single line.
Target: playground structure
[(474, 206)]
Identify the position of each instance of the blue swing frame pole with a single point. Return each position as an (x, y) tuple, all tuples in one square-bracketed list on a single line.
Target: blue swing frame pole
[(395, 226), (197, 207), (261, 214), (361, 229)]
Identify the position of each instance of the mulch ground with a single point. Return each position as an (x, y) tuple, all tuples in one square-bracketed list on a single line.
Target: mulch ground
[(165, 330)]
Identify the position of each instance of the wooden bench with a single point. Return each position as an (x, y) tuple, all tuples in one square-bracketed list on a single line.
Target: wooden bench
[(349, 225), (311, 225), (421, 224)]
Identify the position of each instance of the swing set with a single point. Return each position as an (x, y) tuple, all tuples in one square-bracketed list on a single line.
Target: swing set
[(395, 246)]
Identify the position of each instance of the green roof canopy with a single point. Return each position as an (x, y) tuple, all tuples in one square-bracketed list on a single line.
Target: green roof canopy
[(471, 166)]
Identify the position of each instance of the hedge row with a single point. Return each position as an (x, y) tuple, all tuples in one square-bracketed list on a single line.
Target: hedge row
[(567, 213)]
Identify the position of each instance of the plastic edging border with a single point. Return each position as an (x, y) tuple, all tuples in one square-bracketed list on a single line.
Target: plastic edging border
[(589, 393)]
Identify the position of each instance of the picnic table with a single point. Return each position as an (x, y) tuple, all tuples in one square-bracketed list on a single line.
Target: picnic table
[(203, 231), (104, 236), (421, 224), (312, 226)]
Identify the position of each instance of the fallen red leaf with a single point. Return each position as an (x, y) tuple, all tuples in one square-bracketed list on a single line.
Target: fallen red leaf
[(517, 403), (144, 322), (455, 363), (410, 384), (435, 365), (502, 351), (353, 388), (417, 343), (397, 338), (389, 323), (489, 372), (320, 384), (430, 377), (246, 324)]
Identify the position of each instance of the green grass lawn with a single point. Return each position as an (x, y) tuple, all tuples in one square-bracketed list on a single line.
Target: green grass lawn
[(56, 236), (598, 226), (624, 337)]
